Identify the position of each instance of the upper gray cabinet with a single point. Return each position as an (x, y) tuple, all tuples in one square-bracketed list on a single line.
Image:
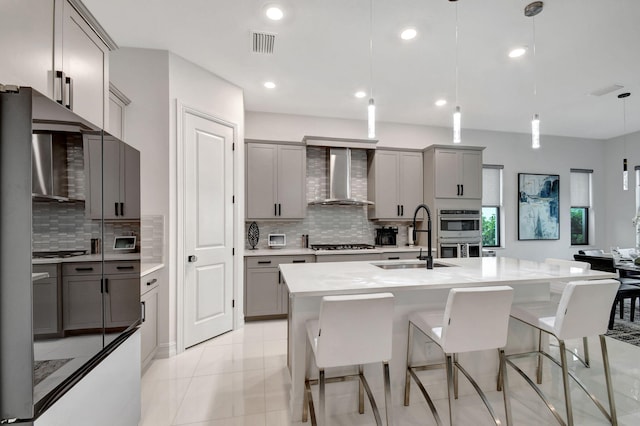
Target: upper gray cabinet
[(117, 105), (276, 181), (54, 49), (394, 184), (120, 173), (453, 172)]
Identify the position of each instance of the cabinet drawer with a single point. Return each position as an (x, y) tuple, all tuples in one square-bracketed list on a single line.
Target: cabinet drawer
[(122, 267), (273, 261), (51, 269), (84, 268), (400, 255), (149, 282)]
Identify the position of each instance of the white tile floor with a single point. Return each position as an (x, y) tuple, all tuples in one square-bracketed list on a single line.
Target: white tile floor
[(241, 378)]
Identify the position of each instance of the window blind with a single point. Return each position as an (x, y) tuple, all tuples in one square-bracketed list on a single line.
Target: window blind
[(581, 187), (491, 185)]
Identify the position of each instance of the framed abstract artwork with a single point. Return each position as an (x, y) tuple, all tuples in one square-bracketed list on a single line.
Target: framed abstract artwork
[(538, 206)]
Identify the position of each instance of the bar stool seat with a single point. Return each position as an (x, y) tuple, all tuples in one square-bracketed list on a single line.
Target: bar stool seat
[(583, 310), (474, 319), (351, 330)]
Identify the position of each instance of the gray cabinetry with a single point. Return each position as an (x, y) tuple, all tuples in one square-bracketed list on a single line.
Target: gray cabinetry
[(276, 181), (117, 178), (54, 50), (347, 257), (405, 255), (265, 292), (149, 328), (47, 298), (454, 172), (395, 184)]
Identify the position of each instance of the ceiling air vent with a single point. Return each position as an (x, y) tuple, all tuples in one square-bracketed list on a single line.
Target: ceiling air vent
[(262, 42)]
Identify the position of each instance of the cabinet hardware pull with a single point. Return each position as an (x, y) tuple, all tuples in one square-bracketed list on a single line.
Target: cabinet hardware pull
[(264, 262), (275, 209), (458, 189), (394, 258), (144, 310), (84, 269), (299, 261), (397, 210), (116, 205), (279, 277), (279, 209), (106, 285), (69, 81), (401, 210), (119, 268), (121, 209), (60, 75), (461, 189), (153, 281)]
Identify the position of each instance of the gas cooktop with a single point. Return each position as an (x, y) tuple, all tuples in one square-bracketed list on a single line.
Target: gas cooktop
[(55, 254), (342, 246)]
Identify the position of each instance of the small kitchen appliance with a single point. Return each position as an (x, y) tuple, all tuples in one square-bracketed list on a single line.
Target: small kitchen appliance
[(277, 240), (124, 243), (386, 236)]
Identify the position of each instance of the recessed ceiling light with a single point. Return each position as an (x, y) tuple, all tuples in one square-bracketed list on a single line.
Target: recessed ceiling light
[(408, 34), (274, 13), (270, 85), (517, 52), (441, 102), (360, 94)]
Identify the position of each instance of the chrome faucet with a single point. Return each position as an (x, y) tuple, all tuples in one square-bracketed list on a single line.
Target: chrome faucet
[(428, 257)]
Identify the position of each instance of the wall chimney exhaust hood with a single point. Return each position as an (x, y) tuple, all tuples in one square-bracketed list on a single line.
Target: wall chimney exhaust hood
[(339, 169)]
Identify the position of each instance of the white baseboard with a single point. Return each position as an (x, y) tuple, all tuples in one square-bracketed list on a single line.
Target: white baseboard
[(166, 350)]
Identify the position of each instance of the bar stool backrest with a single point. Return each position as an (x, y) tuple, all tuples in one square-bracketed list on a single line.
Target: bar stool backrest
[(585, 266), (476, 319), (584, 308), (355, 329)]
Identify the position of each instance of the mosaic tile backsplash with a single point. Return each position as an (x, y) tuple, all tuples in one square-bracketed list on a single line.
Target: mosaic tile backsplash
[(330, 224)]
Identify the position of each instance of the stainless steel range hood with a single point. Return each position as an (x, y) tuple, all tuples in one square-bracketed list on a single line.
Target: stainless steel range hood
[(339, 180), (49, 168)]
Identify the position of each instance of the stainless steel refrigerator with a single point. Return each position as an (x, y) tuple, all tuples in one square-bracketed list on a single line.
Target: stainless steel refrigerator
[(60, 315)]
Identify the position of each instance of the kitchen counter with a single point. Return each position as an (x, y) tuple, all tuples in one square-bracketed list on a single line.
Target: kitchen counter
[(87, 258), (303, 251), (414, 289), (148, 268)]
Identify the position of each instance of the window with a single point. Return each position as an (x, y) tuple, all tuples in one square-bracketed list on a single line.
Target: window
[(491, 203), (580, 205)]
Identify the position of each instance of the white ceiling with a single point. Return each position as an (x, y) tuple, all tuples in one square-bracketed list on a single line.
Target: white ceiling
[(321, 57)]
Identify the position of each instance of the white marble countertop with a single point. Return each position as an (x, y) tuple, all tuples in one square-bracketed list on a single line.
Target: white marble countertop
[(303, 251), (87, 258), (147, 268), (320, 279)]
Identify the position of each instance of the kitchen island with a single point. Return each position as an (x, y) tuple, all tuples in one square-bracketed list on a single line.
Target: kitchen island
[(414, 288)]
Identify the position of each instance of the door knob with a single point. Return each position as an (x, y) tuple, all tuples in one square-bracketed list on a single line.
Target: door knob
[(192, 258)]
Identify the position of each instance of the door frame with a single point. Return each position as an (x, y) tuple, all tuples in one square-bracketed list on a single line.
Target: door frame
[(181, 111)]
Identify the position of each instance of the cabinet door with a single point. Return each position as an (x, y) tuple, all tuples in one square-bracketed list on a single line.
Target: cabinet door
[(292, 181), (471, 174), (149, 327), (411, 183), (386, 185), (111, 175), (45, 306), (85, 63), (122, 304), (82, 302), (446, 174), (262, 165), (26, 43), (130, 182), (92, 149), (116, 117), (262, 292)]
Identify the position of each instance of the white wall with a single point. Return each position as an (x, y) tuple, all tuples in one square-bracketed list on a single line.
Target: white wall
[(557, 156)]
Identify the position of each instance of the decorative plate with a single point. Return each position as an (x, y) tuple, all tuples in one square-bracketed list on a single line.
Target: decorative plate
[(253, 235)]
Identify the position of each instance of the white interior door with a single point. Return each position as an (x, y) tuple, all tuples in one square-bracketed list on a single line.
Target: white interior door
[(208, 237)]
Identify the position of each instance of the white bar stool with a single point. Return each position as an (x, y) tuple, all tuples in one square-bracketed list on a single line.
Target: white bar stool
[(474, 319), (583, 310), (351, 330), (556, 292)]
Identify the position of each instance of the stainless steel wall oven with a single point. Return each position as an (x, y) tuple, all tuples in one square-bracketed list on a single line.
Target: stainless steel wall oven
[(459, 233)]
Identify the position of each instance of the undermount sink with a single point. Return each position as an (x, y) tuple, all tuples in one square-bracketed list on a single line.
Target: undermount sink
[(409, 265)]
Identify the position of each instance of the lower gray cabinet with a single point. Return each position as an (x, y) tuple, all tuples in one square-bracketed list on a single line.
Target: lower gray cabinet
[(265, 293), (403, 255), (149, 328), (347, 257), (47, 302)]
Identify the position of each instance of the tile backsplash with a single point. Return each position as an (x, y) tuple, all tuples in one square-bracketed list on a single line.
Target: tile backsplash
[(152, 239), (330, 224)]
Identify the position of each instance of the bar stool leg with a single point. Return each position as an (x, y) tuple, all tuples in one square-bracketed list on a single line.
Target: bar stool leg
[(539, 369), (504, 384), (455, 376), (322, 413), (407, 377), (607, 377), (501, 369), (565, 383), (449, 362), (585, 349), (388, 403), (360, 391)]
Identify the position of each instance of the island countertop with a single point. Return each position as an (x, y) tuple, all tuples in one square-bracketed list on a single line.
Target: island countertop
[(321, 279)]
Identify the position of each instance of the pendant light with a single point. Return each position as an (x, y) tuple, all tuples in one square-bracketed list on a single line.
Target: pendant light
[(531, 10), (371, 108), (457, 115), (625, 172)]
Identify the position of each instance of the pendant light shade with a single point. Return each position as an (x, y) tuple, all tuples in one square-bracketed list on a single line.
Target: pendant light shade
[(371, 119), (625, 176), (457, 118), (625, 171), (535, 132)]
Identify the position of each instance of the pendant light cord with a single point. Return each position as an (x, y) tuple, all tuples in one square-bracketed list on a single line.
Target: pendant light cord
[(371, 47), (457, 77), (535, 80)]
